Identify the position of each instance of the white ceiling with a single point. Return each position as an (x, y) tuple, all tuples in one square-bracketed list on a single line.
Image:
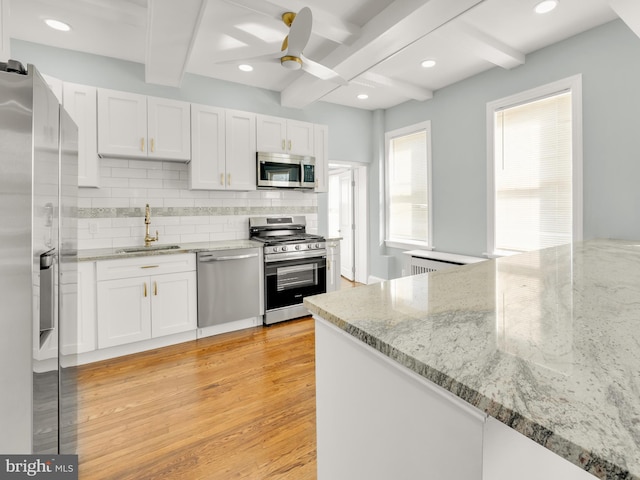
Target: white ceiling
[(377, 45)]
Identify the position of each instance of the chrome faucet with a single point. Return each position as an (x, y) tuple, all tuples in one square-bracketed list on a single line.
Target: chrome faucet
[(147, 221)]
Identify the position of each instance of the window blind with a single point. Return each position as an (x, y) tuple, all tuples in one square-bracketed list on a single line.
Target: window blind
[(408, 188), (533, 174)]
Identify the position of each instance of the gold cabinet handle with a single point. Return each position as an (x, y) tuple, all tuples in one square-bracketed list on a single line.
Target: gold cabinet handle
[(284, 144), (290, 144), (142, 144), (155, 288), (222, 179), (145, 289), (153, 145), (229, 179)]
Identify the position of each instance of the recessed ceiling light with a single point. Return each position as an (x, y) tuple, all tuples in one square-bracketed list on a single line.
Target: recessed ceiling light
[(428, 63), (245, 68), (57, 25), (363, 96), (546, 6)]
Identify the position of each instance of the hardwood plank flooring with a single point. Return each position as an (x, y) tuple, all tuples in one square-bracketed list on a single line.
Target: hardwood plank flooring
[(234, 406)]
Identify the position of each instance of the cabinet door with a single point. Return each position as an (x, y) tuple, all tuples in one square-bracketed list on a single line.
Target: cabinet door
[(240, 148), (169, 128), (80, 336), (173, 303), (271, 134), (321, 153), (299, 137), (122, 124), (124, 311), (207, 166), (80, 102)]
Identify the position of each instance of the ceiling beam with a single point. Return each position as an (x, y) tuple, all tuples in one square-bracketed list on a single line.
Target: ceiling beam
[(404, 89), (325, 24), (172, 28), (629, 12), (471, 39), (396, 27)]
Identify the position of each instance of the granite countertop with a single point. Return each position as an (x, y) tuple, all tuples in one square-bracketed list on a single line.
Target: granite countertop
[(115, 253), (547, 342)]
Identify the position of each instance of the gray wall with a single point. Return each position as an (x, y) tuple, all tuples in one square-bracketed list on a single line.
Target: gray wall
[(608, 57)]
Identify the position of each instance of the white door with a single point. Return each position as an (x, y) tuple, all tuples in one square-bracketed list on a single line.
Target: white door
[(271, 134), (122, 123), (207, 166), (173, 303), (240, 150), (299, 137), (169, 129), (346, 225), (124, 311)]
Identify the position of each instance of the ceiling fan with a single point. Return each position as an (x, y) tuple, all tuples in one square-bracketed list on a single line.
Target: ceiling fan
[(290, 55)]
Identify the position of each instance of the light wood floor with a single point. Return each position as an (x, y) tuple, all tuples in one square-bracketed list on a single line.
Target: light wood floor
[(233, 406)]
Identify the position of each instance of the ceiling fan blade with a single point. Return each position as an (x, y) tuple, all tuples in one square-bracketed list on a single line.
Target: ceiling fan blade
[(260, 58), (300, 32), (324, 73)]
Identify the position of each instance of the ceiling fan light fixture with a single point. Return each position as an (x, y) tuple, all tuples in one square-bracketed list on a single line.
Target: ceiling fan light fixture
[(245, 67), (363, 96), (290, 62), (546, 6), (428, 63), (57, 25)]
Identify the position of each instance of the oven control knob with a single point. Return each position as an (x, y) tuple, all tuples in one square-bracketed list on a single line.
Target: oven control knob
[(297, 247), (317, 245), (284, 249), (309, 246)]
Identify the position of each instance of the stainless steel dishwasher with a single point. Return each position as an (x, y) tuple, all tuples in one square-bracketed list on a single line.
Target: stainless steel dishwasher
[(230, 285)]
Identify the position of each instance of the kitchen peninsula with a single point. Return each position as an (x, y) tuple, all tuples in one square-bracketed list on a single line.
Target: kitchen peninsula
[(417, 377)]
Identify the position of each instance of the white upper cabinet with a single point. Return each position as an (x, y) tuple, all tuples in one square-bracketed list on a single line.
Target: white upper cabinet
[(80, 102), (281, 135), (240, 150), (207, 170), (321, 154), (168, 129), (223, 144), (136, 126)]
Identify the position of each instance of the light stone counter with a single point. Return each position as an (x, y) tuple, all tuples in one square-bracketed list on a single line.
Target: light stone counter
[(91, 255), (546, 342)]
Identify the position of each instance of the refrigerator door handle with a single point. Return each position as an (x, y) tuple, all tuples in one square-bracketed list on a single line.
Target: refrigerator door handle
[(47, 294)]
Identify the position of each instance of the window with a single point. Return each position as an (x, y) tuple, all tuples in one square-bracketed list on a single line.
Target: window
[(535, 169), (408, 186)]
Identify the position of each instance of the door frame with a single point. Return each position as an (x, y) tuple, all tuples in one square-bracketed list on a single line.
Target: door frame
[(360, 217)]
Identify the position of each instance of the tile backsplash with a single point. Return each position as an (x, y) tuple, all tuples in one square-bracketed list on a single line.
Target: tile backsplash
[(113, 215)]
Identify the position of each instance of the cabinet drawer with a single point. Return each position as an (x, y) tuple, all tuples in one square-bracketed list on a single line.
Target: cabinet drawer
[(145, 266)]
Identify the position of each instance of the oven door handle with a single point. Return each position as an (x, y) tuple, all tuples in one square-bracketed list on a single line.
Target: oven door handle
[(213, 258)]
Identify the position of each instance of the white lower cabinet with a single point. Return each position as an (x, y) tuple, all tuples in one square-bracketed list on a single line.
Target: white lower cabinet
[(144, 298)]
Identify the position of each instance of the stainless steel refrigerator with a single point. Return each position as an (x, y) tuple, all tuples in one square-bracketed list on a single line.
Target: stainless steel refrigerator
[(38, 269)]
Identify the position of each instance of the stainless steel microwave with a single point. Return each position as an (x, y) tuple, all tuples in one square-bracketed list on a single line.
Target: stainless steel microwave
[(282, 170)]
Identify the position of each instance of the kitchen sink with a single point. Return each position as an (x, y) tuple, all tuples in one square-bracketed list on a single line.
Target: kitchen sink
[(151, 248)]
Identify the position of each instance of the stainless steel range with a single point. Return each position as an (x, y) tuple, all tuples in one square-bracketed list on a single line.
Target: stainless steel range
[(295, 264)]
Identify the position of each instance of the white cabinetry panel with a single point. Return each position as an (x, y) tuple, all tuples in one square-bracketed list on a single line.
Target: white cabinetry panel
[(124, 311), (80, 101), (240, 150)]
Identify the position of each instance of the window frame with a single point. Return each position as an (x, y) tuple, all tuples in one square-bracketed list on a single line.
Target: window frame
[(388, 136), (572, 84)]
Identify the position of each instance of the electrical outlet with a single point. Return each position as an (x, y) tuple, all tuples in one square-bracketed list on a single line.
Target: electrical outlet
[(93, 227)]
